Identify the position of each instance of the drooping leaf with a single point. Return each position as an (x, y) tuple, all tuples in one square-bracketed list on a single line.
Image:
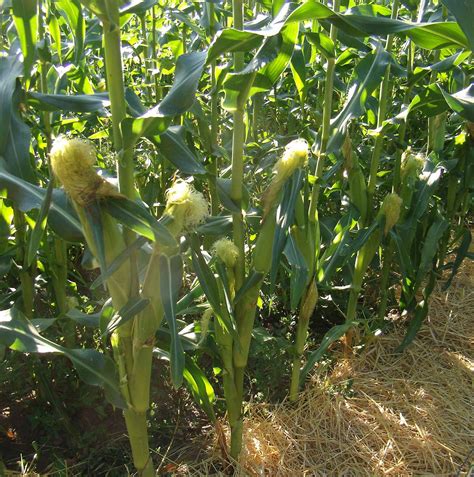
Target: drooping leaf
[(461, 253), (334, 334), (134, 306), (284, 220), (253, 279), (26, 196), (93, 367), (117, 262), (79, 103), (462, 102), (40, 225), (170, 283), (463, 11), (71, 11), (173, 147), (299, 271), (137, 218), (26, 24), (14, 133), (179, 99), (139, 7), (197, 383), (206, 277), (367, 76), (430, 248)]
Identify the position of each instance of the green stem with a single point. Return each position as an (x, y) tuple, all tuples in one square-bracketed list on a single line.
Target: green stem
[(310, 297), (326, 126), (59, 255), (238, 139), (214, 124), (381, 115), (115, 86), (384, 283), (135, 417), (26, 280), (138, 435), (308, 304)]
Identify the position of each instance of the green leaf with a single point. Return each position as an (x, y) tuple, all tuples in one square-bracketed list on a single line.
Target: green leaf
[(79, 103), (231, 40), (179, 99), (367, 76), (224, 187), (24, 16), (217, 225), (139, 219), (430, 248), (171, 272), (462, 102), (200, 387), (414, 326), (117, 262), (284, 220), (463, 11), (334, 334), (298, 69), (100, 8), (134, 306), (461, 253), (324, 44), (40, 225), (253, 279), (197, 383), (93, 367), (425, 188), (299, 271), (403, 254), (206, 277), (139, 7), (93, 215), (173, 147), (71, 10), (26, 196), (14, 133)]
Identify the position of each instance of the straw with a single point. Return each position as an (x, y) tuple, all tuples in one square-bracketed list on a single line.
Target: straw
[(377, 413)]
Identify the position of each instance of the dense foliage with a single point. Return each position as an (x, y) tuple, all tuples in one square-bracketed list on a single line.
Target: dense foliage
[(211, 183)]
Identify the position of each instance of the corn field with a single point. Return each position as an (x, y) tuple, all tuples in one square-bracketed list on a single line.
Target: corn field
[(202, 199)]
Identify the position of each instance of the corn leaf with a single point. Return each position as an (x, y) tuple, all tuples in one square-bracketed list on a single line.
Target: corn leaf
[(14, 134), (334, 334), (134, 306), (40, 225), (430, 248), (299, 271), (137, 218), (171, 269), (463, 11), (79, 103), (93, 367), (461, 253), (24, 16), (26, 196), (172, 145)]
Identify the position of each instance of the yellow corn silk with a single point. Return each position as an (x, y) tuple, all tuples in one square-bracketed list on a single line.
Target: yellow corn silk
[(226, 251), (391, 208), (72, 161), (185, 206), (295, 155)]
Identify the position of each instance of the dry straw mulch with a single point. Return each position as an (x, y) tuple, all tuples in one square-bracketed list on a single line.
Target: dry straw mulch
[(378, 413)]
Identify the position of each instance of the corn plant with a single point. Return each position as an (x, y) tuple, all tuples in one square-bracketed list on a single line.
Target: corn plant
[(203, 157)]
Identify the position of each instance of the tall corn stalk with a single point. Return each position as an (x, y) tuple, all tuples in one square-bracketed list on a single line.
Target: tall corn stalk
[(310, 296)]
